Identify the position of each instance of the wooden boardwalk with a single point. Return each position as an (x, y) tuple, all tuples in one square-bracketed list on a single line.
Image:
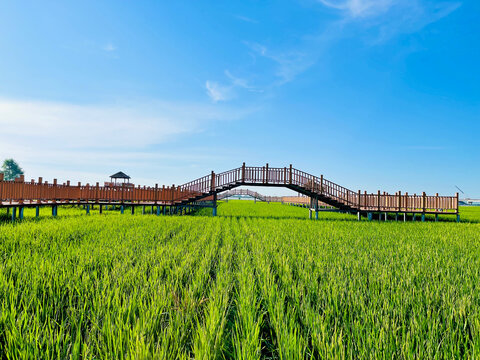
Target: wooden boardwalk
[(19, 193)]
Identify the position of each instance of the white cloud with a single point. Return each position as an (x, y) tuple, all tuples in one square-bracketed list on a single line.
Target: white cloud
[(55, 139), (359, 8), (246, 19), (218, 92), (109, 47)]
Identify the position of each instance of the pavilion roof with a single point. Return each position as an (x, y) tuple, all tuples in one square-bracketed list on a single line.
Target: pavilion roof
[(120, 175)]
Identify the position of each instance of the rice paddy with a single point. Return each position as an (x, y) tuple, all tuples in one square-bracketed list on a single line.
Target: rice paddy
[(260, 281)]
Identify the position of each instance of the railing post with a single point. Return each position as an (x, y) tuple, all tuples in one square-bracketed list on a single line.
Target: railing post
[(359, 197), (243, 173), (321, 184), (156, 194), (212, 185), (399, 200), (290, 175), (406, 202), (97, 195), (266, 174), (456, 196), (1, 187), (436, 202), (424, 201), (378, 200), (54, 191)]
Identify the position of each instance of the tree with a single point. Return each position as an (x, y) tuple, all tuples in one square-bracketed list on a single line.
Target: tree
[(11, 169)]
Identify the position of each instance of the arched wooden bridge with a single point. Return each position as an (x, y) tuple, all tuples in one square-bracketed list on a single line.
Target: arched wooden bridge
[(19, 193), (249, 193)]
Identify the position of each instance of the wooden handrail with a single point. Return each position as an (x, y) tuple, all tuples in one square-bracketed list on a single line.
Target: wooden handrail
[(16, 192)]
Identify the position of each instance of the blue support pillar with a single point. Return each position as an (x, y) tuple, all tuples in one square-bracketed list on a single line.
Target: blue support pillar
[(133, 209), (143, 210), (14, 213), (458, 218), (37, 211), (436, 217), (54, 210), (88, 209), (158, 210), (164, 210), (370, 216), (423, 217), (122, 208), (20, 212), (215, 204), (396, 216)]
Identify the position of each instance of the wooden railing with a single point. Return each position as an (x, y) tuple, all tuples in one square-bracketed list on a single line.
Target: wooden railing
[(19, 192), (253, 194)]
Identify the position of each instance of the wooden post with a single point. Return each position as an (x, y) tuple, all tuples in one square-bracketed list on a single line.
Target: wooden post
[(54, 191), (1, 186), (378, 200), (97, 185), (359, 197), (321, 185), (212, 185), (436, 202), (290, 175), (243, 173), (266, 174), (399, 200), (424, 201), (406, 201), (456, 196), (156, 196)]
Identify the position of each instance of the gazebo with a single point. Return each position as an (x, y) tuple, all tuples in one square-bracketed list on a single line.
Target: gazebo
[(119, 175)]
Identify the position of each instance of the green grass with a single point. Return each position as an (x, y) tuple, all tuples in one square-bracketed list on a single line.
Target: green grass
[(258, 281)]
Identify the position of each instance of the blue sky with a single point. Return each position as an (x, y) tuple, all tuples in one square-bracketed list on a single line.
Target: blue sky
[(374, 94)]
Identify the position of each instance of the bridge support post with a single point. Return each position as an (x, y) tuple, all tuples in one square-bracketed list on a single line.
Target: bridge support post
[(414, 217), (20, 212), (386, 216), (158, 210), (14, 213), (404, 217), (370, 216), (316, 208), (214, 212), (436, 217), (458, 218), (122, 209), (100, 207), (133, 209), (54, 210), (151, 210), (88, 209), (37, 211), (396, 216), (164, 210), (423, 217), (143, 210)]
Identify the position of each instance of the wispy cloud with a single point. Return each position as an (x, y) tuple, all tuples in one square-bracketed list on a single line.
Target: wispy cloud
[(388, 18), (55, 135), (288, 63), (109, 47), (246, 19), (360, 8), (218, 92)]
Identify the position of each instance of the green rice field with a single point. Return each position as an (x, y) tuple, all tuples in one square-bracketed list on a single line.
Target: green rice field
[(259, 281)]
